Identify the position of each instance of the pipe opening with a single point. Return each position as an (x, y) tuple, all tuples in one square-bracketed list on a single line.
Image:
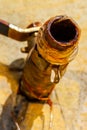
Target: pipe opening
[(63, 31)]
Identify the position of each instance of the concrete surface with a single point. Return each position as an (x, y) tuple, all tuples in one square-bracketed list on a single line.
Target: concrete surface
[(69, 98)]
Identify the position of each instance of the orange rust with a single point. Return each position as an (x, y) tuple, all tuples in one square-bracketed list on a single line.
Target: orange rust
[(49, 59), (15, 35), (51, 47)]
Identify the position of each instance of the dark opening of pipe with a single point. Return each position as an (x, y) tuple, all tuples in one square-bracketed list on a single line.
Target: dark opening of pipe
[(63, 31)]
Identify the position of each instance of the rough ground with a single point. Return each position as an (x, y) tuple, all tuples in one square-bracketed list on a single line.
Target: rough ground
[(69, 98)]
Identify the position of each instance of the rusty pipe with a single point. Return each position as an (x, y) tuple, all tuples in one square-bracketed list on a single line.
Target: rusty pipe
[(57, 40), (56, 45), (49, 53)]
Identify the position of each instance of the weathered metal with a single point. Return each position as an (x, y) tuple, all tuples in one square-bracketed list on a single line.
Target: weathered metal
[(15, 32), (50, 48), (56, 44)]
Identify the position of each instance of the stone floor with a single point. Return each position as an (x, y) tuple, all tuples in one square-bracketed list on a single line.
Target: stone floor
[(69, 98)]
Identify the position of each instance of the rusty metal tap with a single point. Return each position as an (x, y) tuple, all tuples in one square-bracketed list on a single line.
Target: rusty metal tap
[(51, 47)]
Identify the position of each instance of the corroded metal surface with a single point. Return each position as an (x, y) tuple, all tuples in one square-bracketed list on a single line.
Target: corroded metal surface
[(56, 44), (15, 32), (51, 49), (70, 95)]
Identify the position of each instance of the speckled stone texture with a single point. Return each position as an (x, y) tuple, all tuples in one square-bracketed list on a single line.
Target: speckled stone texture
[(69, 98)]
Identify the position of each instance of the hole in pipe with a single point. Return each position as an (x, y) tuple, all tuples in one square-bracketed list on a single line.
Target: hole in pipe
[(63, 31)]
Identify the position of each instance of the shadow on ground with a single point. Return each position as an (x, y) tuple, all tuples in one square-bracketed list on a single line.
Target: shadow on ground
[(16, 105)]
